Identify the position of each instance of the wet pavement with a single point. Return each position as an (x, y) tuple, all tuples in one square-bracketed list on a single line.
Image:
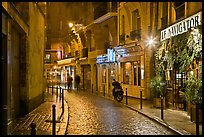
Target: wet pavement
[(175, 119), (90, 116), (42, 117)]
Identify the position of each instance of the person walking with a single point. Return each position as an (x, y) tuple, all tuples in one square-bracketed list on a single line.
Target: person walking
[(77, 81), (69, 82)]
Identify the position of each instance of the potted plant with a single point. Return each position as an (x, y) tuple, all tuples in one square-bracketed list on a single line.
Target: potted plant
[(193, 94), (158, 88)]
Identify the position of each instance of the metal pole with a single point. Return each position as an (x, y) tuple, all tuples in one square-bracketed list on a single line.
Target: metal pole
[(141, 99), (92, 88), (62, 100), (60, 93), (52, 87), (53, 120), (162, 108), (197, 119), (57, 89), (104, 90), (126, 97)]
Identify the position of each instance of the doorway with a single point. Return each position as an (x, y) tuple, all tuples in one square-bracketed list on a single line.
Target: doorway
[(4, 91), (15, 82)]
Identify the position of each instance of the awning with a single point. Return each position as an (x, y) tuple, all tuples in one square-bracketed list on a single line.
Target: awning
[(70, 62)]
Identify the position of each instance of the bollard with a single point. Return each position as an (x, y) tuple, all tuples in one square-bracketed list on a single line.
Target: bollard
[(191, 114), (47, 89), (62, 100), (33, 129), (141, 99), (126, 97), (197, 119), (57, 90), (104, 91), (53, 120), (52, 87), (92, 88), (60, 93), (162, 108)]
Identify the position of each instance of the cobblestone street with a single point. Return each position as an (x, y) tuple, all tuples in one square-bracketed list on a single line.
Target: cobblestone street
[(92, 114)]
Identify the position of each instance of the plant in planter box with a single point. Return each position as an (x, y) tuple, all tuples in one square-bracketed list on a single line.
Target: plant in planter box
[(193, 93), (193, 90), (158, 87)]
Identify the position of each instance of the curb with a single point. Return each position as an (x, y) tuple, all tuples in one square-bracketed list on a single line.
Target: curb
[(161, 122)]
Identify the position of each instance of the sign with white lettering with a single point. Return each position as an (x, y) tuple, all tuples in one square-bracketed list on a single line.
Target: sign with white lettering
[(106, 58), (101, 59), (181, 27), (111, 55)]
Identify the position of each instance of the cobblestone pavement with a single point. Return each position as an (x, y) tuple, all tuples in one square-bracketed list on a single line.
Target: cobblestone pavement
[(90, 114), (175, 119), (42, 117)]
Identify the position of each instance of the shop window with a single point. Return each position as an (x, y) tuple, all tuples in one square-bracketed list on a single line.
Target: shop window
[(127, 73), (168, 75), (104, 74), (47, 58), (180, 79), (112, 72)]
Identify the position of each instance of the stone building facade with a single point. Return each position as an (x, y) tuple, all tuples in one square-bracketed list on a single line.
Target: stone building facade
[(23, 38)]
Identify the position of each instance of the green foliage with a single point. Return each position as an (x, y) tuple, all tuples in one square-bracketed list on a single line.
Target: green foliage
[(181, 50), (158, 86), (193, 90), (160, 64)]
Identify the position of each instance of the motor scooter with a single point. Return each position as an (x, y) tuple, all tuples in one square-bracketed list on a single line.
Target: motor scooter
[(118, 93)]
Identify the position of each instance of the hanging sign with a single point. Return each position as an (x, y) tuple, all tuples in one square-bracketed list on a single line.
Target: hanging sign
[(106, 58), (181, 27)]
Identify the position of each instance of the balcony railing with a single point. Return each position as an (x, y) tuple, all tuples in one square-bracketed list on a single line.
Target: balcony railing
[(105, 8), (85, 52), (122, 38), (135, 34)]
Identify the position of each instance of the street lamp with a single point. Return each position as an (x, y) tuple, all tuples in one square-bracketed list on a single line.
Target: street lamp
[(149, 42)]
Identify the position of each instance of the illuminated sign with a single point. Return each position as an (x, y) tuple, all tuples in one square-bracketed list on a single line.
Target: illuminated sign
[(181, 27), (111, 55), (127, 50), (106, 58), (47, 58), (122, 51), (101, 59)]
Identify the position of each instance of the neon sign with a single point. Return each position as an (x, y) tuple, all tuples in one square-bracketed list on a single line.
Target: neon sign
[(106, 58)]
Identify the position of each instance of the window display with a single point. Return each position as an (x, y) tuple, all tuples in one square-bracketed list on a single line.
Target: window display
[(104, 74), (127, 73)]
